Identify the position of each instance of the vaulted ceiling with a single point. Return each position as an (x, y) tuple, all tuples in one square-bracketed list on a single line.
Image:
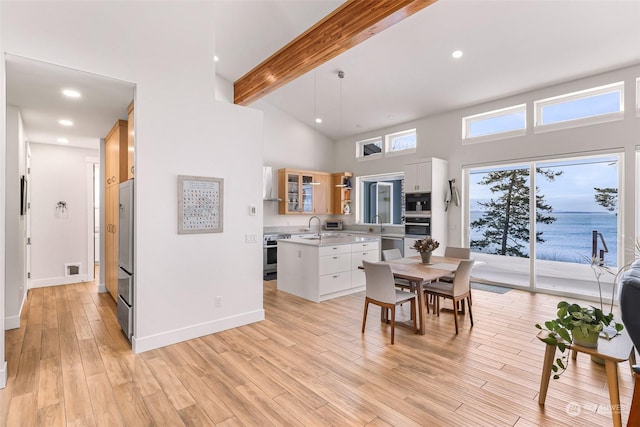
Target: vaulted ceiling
[(407, 72)]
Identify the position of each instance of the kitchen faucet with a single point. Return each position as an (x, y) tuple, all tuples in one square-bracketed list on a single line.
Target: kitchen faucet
[(373, 222), (319, 224)]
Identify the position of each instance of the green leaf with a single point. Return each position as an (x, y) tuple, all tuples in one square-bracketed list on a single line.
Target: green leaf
[(555, 377), (564, 335), (562, 346), (559, 363), (554, 368), (538, 326)]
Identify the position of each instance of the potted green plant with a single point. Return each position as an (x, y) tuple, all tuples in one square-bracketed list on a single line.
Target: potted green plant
[(575, 325), (425, 247)]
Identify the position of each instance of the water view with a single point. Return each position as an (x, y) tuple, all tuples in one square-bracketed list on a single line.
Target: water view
[(569, 238)]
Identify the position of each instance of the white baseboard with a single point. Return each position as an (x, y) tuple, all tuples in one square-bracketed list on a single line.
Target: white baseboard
[(55, 281), (3, 375), (102, 288), (12, 322), (152, 342)]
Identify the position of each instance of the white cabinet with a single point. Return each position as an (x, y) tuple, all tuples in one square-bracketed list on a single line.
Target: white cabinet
[(370, 252), (417, 177), (319, 273)]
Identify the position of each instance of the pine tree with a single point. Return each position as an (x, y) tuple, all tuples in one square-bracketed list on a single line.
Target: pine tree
[(505, 221), (606, 197)]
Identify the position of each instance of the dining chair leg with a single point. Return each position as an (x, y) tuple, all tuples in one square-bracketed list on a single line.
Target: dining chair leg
[(393, 323), (364, 317), (469, 307), (427, 298), (437, 304), (455, 316)]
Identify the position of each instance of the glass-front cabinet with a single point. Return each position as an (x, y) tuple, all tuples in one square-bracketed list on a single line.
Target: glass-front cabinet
[(295, 189)]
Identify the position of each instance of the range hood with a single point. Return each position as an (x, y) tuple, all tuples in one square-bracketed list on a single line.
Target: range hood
[(267, 185)]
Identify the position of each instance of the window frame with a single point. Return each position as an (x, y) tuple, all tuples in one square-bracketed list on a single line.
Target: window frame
[(638, 97), (538, 106), (387, 143), (360, 149), (360, 199), (468, 120)]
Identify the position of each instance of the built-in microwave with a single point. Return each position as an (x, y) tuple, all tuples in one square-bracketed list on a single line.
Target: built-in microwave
[(417, 203), (417, 226)]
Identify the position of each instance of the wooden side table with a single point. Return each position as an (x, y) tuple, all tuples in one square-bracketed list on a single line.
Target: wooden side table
[(613, 351)]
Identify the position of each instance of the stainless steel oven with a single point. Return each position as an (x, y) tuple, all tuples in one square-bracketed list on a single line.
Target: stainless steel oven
[(417, 203), (270, 252), (417, 226)]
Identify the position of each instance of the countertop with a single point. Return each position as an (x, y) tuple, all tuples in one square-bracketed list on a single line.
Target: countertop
[(330, 239)]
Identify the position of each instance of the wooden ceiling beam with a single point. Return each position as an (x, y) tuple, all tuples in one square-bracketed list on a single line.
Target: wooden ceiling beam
[(350, 24)]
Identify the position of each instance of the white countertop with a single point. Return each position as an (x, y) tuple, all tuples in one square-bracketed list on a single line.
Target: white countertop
[(330, 239)]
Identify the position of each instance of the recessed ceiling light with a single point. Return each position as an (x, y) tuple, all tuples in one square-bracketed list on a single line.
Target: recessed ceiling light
[(63, 140), (215, 58), (65, 122), (457, 54), (71, 93), (318, 120)]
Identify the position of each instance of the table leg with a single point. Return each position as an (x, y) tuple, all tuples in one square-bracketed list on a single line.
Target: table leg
[(611, 367), (421, 307), (549, 353)]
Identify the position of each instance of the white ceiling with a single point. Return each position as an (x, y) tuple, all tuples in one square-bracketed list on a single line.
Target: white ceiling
[(406, 72), (401, 74), (36, 88)]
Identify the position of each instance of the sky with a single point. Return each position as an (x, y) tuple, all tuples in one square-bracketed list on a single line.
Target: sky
[(572, 191)]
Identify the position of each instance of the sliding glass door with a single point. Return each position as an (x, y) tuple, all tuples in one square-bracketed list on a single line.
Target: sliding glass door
[(564, 239)]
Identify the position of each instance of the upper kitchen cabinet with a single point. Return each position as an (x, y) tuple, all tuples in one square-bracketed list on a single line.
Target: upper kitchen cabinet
[(304, 192), (425, 175), (130, 143), (295, 189), (342, 193), (417, 176), (322, 193), (116, 148)]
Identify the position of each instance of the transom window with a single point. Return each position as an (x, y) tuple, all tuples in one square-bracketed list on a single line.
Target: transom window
[(401, 142), (503, 123), (590, 106), (369, 148)]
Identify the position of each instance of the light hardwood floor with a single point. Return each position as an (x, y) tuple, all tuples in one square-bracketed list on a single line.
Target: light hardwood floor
[(306, 364)]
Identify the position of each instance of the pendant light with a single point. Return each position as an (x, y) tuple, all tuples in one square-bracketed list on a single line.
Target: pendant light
[(316, 120), (340, 76)]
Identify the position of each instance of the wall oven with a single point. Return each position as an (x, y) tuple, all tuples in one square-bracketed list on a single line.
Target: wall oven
[(417, 226), (417, 203)]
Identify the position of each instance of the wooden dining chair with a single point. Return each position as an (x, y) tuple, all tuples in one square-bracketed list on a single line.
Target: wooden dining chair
[(458, 291), (634, 412), (381, 291), (389, 255)]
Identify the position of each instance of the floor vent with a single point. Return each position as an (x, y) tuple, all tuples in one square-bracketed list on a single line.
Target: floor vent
[(72, 269)]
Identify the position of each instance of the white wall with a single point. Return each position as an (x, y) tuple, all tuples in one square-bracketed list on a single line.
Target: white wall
[(3, 115), (289, 143), (167, 49), (15, 232), (441, 136), (59, 173)]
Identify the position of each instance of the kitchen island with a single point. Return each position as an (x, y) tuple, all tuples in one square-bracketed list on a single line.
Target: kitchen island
[(321, 267)]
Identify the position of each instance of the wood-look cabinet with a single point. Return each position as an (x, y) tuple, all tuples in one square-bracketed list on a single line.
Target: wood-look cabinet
[(341, 187), (306, 192), (322, 194), (116, 149), (111, 240), (130, 143)]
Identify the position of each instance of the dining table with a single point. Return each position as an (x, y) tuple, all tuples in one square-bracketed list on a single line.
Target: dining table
[(416, 273)]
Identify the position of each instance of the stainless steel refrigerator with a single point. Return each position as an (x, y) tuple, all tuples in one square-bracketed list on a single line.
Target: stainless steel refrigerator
[(125, 259)]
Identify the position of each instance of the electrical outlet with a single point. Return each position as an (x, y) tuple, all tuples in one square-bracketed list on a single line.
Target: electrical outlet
[(218, 301), (251, 238)]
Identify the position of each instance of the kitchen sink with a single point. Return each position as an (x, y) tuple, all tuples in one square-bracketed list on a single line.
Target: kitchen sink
[(326, 236)]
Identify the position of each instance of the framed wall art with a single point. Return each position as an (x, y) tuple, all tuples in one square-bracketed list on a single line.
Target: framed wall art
[(200, 204)]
